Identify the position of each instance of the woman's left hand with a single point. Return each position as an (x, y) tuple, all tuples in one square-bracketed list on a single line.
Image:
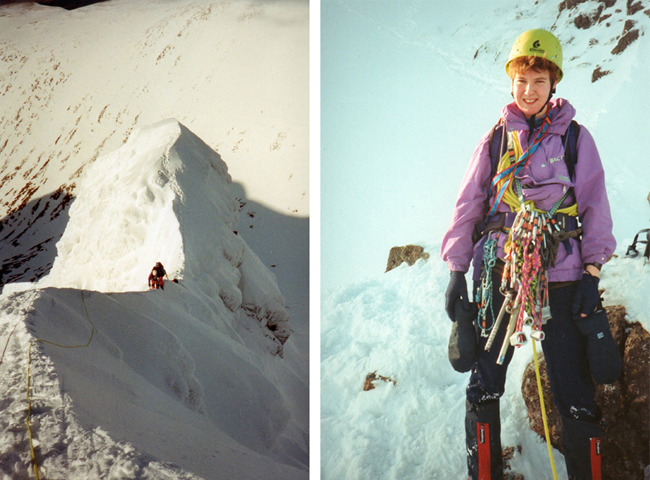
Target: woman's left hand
[(587, 297)]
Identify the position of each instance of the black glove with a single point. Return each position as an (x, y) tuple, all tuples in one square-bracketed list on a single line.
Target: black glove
[(586, 298), (457, 289)]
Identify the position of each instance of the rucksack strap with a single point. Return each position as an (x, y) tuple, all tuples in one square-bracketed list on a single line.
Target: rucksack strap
[(570, 140), (497, 143)]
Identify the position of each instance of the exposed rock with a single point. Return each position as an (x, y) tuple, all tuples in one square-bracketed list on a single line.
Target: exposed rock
[(409, 254), (604, 17), (598, 73), (633, 7), (625, 41), (373, 377), (531, 398), (586, 21), (629, 24), (507, 453), (624, 404), (67, 4), (583, 21), (569, 4)]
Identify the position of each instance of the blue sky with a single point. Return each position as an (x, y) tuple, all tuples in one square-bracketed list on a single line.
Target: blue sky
[(394, 126)]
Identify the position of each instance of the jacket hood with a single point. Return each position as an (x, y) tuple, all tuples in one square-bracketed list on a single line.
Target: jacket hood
[(563, 113)]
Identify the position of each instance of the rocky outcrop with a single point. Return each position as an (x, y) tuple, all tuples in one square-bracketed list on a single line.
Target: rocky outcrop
[(371, 378), (625, 404), (409, 254), (600, 15)]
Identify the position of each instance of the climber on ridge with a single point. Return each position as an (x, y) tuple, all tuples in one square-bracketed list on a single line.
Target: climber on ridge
[(156, 277)]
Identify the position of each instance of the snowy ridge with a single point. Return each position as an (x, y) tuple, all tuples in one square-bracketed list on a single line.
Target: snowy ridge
[(204, 351), (130, 405), (164, 196)]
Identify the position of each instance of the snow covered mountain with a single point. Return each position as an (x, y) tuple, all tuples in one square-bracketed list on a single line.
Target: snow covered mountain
[(206, 351), (154, 131)]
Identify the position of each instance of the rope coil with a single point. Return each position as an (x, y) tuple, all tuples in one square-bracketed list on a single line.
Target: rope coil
[(29, 365)]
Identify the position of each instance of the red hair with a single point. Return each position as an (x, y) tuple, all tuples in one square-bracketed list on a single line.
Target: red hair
[(522, 64)]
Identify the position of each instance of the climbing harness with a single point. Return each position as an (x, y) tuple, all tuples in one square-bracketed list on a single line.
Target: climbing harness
[(530, 250), (531, 247), (29, 365)]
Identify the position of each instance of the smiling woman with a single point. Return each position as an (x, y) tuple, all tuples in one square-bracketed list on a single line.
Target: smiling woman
[(532, 90), (504, 254), (535, 66)]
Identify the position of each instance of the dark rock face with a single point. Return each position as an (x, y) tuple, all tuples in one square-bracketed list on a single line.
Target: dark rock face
[(409, 254), (625, 404), (67, 4)]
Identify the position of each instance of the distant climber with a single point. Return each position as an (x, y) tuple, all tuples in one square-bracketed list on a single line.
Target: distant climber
[(156, 277)]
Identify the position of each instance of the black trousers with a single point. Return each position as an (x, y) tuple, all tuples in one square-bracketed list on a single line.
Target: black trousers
[(565, 350)]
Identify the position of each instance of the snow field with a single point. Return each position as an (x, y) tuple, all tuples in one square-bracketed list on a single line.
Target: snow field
[(217, 405), (395, 325)]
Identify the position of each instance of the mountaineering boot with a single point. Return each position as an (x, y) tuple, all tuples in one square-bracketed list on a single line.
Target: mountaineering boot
[(463, 341), (581, 442), (483, 441), (605, 360)]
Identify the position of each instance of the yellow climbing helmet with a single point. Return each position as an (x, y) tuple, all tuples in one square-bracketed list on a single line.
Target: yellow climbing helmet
[(537, 43)]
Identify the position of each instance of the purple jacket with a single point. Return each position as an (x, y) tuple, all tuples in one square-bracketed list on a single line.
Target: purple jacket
[(546, 177)]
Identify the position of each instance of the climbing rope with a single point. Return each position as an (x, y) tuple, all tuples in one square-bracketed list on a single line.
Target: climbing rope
[(7, 343), (503, 179), (29, 365), (544, 420)]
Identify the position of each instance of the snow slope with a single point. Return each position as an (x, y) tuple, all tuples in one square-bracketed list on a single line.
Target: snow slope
[(395, 325), (75, 84), (136, 132), (205, 352)]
